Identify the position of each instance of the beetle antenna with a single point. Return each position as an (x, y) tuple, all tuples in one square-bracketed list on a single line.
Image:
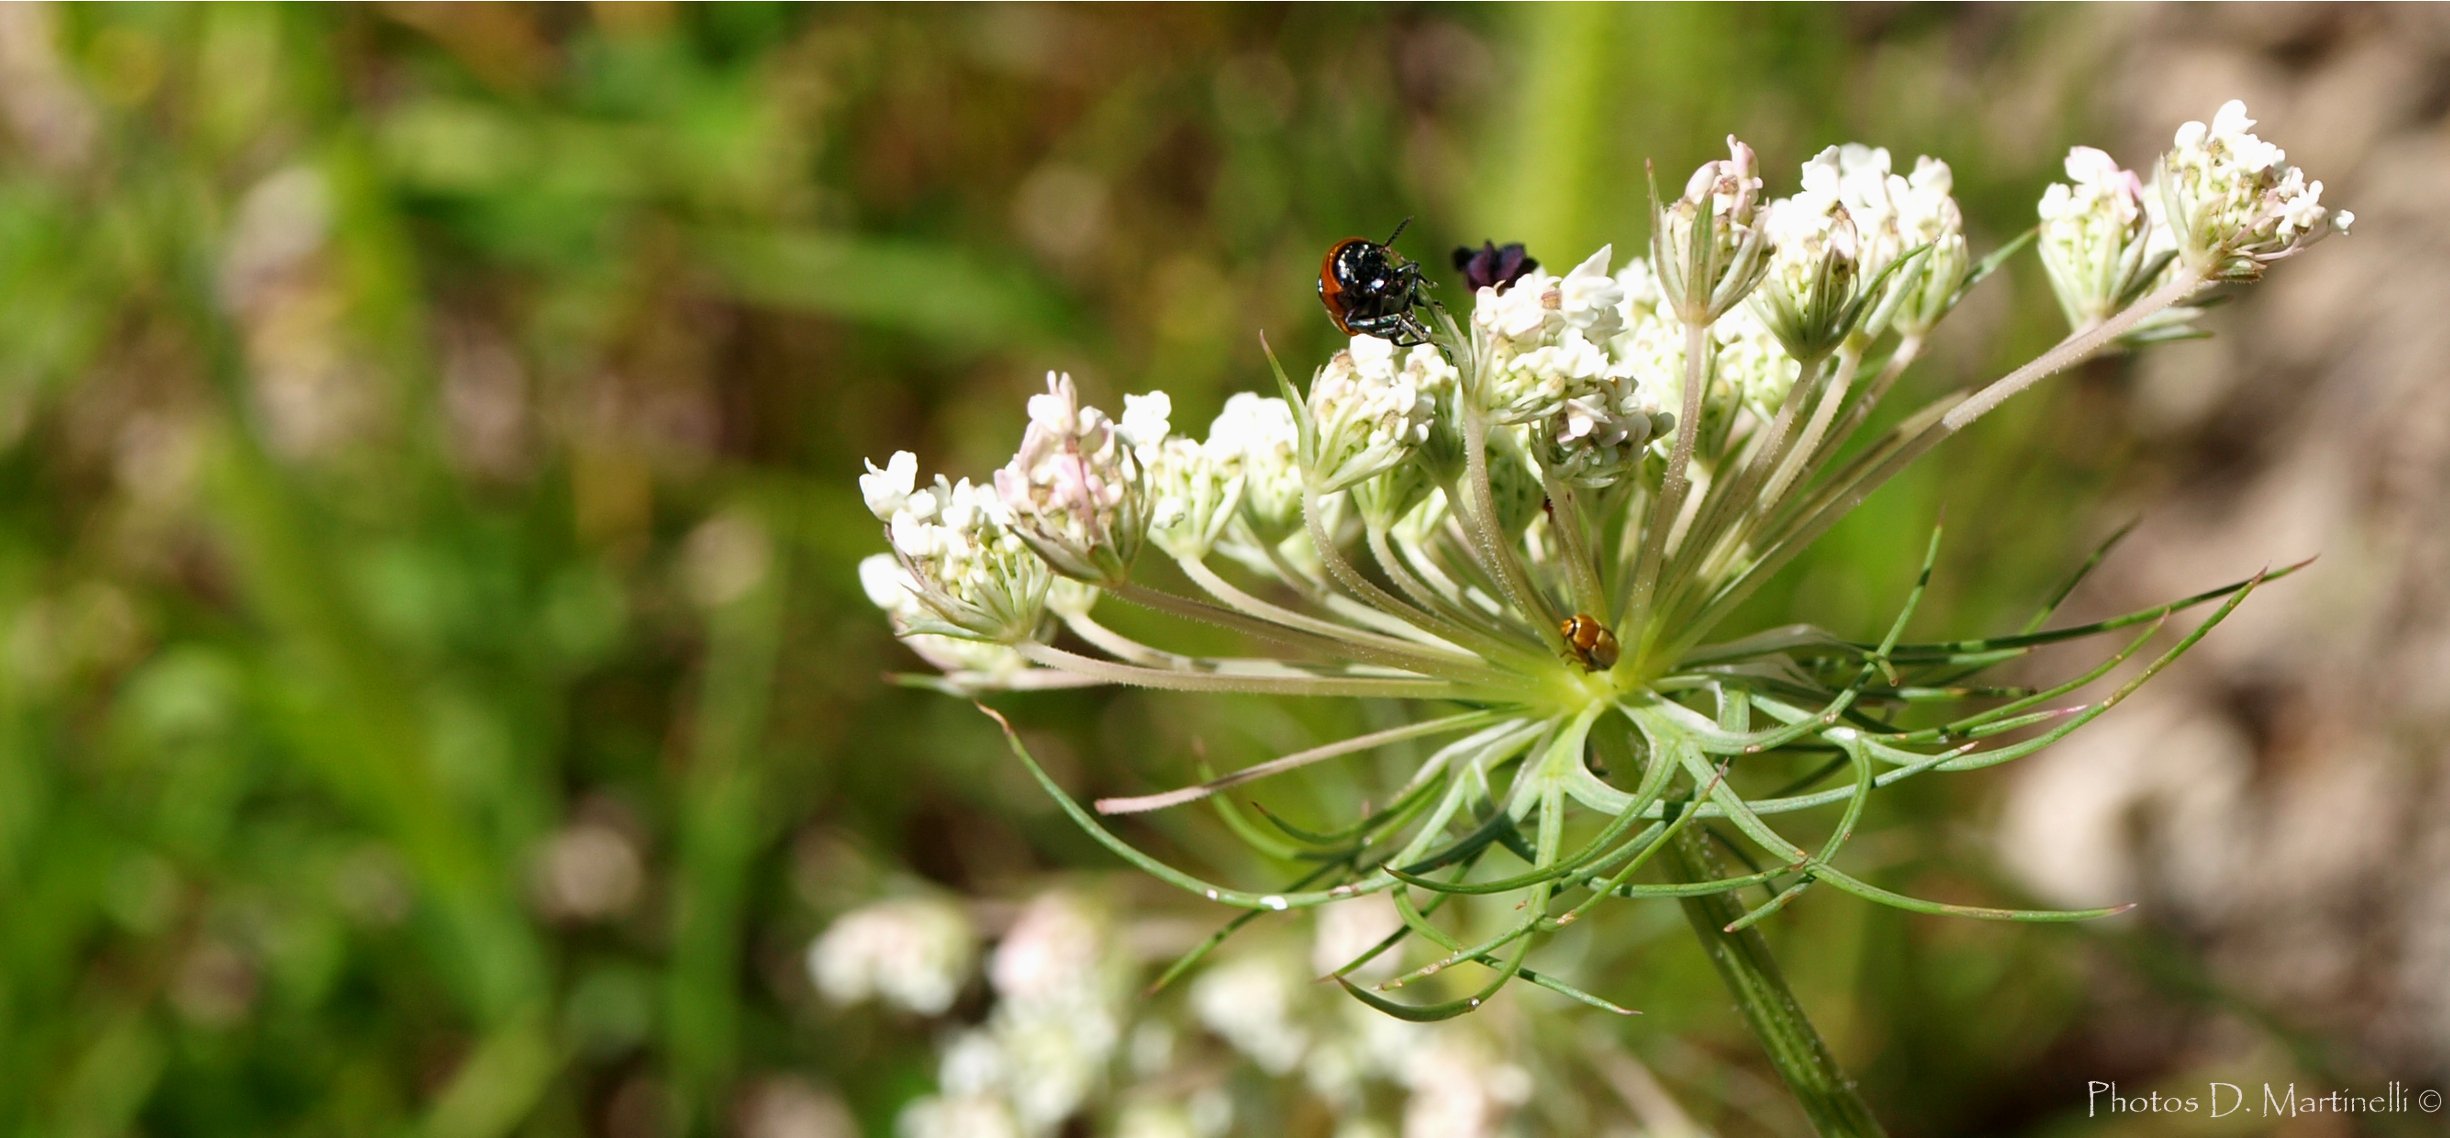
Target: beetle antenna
[(1399, 231)]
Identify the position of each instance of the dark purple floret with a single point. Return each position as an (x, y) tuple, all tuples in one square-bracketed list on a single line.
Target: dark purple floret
[(1492, 265)]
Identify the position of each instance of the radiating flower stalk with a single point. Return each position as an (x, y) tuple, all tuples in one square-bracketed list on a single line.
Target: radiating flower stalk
[(1532, 529)]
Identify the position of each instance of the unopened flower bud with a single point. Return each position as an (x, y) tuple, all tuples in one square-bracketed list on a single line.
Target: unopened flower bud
[(1074, 487), (2096, 238), (1707, 245), (1810, 300)]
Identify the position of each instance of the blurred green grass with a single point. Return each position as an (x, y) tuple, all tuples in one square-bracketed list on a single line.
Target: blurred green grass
[(424, 430)]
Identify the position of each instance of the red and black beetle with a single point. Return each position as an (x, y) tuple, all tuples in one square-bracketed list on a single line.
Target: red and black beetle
[(1369, 289)]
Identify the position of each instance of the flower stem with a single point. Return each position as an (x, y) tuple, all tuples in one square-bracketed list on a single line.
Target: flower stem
[(1751, 974)]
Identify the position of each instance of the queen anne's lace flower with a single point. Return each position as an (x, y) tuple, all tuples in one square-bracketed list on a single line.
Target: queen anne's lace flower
[(890, 587), (1548, 338), (1808, 298), (1190, 497), (1526, 497), (2233, 201)]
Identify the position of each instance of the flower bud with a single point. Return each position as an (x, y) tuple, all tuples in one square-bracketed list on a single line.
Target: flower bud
[(1369, 410), (2096, 238), (1707, 245), (1809, 299), (1074, 487), (1255, 440)]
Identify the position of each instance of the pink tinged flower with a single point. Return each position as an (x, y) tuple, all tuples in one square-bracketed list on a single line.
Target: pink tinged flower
[(1705, 269), (1071, 489)]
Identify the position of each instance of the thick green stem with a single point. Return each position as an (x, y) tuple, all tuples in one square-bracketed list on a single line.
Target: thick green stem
[(1751, 974)]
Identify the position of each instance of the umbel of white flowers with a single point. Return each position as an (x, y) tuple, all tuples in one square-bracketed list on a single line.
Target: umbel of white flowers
[(1536, 522)]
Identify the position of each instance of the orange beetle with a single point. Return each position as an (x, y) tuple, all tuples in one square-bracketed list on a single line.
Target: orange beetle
[(1590, 641)]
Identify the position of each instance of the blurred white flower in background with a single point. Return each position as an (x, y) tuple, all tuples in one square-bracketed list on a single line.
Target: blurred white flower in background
[(914, 953)]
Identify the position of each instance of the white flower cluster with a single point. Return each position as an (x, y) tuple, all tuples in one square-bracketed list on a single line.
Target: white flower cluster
[(1073, 488), (1255, 439), (1895, 216), (1060, 1042), (1190, 498), (1253, 1002), (962, 570), (1840, 249), (1597, 387), (1575, 380), (914, 953), (1043, 1052), (2222, 204), (1748, 367), (2233, 201), (1456, 1079), (1548, 338), (1371, 409)]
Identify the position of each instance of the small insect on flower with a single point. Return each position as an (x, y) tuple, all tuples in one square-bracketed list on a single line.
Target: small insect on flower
[(1493, 265), (1589, 640), (1369, 289)]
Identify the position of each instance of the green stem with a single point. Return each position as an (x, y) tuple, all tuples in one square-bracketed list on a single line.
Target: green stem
[(1751, 974)]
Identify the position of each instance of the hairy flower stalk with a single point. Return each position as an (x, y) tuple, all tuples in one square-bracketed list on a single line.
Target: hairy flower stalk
[(1531, 529)]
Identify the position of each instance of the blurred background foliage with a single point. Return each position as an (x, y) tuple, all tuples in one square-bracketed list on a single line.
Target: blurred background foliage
[(435, 693)]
